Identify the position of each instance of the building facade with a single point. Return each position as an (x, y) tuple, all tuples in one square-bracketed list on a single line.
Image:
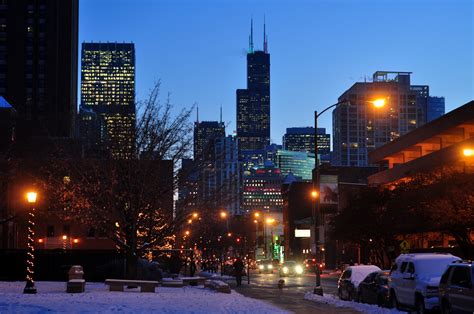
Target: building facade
[(302, 140), (38, 65), (359, 127), (300, 164), (436, 108), (253, 103), (108, 89), (262, 189)]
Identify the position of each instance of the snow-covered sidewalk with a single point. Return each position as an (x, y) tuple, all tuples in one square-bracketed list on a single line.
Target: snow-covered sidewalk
[(362, 307), (51, 297)]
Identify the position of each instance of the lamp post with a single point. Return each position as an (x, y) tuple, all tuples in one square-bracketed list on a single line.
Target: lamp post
[(377, 103), (30, 258)]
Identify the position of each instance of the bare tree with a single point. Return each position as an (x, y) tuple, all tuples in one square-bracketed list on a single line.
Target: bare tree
[(131, 200)]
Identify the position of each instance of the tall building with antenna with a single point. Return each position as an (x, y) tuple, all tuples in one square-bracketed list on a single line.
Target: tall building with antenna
[(253, 103)]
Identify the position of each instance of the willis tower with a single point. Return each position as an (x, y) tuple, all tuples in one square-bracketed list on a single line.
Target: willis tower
[(253, 103)]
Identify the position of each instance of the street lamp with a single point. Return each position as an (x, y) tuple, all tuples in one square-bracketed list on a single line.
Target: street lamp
[(377, 103), (30, 258), (468, 152)]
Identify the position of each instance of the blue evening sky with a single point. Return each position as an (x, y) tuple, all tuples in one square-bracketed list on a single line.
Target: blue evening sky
[(318, 49)]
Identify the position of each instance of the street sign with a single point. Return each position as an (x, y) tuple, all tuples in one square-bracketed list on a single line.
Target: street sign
[(404, 246)]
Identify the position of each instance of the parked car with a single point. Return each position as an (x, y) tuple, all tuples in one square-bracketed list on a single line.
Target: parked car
[(265, 266), (414, 280), (289, 268), (348, 283), (374, 289), (456, 288)]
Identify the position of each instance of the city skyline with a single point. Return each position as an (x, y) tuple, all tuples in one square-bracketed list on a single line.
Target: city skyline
[(219, 43)]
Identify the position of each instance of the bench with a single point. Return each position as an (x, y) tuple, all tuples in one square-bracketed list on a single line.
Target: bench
[(193, 281), (118, 284), (172, 283)]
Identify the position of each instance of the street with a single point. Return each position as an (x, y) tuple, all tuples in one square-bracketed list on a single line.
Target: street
[(265, 287)]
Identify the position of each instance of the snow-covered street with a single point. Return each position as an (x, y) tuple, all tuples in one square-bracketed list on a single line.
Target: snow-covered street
[(52, 297)]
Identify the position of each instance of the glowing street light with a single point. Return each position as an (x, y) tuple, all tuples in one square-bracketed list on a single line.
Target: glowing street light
[(223, 214), (257, 214), (270, 220), (314, 194), (30, 259), (31, 197), (468, 152), (186, 232), (195, 215)]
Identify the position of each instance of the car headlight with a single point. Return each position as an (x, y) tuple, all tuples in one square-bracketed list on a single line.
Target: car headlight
[(270, 266), (260, 266), (285, 270), (299, 269)]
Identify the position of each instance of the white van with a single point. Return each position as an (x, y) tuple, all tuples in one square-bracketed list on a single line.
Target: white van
[(415, 279)]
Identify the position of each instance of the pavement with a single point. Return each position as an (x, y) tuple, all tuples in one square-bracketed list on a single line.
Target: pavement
[(265, 287)]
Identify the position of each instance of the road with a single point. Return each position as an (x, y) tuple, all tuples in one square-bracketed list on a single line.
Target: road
[(265, 287)]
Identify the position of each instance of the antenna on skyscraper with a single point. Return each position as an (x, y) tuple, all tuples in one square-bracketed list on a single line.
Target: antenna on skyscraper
[(265, 43), (221, 115), (197, 113), (251, 36)]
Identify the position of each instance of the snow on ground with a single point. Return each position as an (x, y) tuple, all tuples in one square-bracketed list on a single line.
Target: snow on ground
[(52, 297), (362, 307)]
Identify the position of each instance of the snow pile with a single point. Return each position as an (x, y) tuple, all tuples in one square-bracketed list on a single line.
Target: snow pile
[(362, 307), (216, 276), (52, 297)]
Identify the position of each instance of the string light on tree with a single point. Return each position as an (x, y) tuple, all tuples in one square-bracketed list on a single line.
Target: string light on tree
[(30, 255)]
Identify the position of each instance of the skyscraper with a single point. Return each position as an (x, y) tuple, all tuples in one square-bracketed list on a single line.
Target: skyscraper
[(302, 140), (205, 133), (228, 174), (38, 65), (436, 108), (108, 89), (359, 127), (253, 103)]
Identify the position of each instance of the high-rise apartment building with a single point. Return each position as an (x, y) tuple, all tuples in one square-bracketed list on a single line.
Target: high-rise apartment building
[(436, 108), (359, 127), (253, 103), (38, 65), (108, 89)]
